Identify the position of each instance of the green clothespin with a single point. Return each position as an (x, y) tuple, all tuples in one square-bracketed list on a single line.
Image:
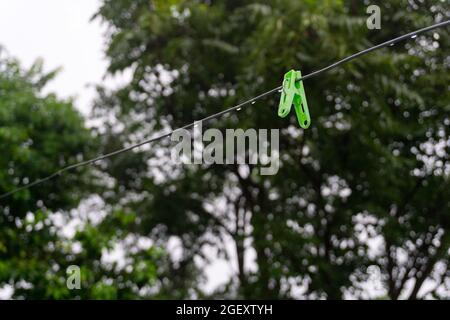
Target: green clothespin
[(294, 93)]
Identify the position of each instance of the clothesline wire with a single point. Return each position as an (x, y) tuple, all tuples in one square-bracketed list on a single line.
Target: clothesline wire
[(234, 108)]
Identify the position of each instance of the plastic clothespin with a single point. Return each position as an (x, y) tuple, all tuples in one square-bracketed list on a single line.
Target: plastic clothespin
[(294, 93)]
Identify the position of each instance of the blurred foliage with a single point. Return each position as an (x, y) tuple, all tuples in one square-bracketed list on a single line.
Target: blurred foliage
[(363, 193), (38, 135), (365, 188)]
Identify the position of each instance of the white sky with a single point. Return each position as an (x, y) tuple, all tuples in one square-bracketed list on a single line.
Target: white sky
[(58, 31)]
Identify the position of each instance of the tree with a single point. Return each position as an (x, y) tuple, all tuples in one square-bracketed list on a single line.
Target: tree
[(372, 169), (39, 134), (363, 193)]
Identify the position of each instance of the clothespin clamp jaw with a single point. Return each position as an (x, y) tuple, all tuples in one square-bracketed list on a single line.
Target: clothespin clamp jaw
[(293, 92)]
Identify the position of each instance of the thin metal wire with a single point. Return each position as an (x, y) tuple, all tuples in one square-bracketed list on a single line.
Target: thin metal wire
[(236, 107)]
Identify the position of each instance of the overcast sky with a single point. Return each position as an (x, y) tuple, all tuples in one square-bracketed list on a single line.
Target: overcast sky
[(58, 31)]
